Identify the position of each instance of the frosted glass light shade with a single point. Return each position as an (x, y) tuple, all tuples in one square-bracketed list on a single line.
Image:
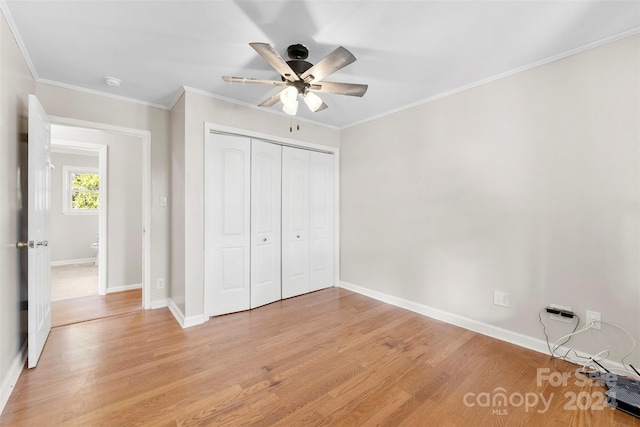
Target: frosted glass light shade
[(291, 108), (312, 100), (289, 96)]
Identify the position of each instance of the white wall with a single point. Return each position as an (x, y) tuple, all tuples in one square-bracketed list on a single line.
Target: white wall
[(198, 110), (71, 235), (16, 83), (528, 185), (74, 104), (124, 196)]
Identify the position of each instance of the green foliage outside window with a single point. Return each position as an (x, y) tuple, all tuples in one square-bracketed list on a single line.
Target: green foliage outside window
[(85, 191)]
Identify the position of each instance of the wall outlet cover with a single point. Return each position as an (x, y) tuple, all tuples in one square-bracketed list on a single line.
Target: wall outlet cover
[(558, 317), (593, 316), (503, 299)]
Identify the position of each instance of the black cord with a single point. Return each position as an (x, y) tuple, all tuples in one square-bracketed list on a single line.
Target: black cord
[(544, 331)]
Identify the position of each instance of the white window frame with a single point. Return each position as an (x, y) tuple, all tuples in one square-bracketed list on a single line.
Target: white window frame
[(67, 190)]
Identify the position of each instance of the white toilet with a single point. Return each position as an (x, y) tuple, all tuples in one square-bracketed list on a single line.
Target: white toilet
[(95, 247)]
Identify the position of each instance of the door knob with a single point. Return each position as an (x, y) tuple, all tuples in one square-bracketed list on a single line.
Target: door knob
[(264, 239), (22, 245), (298, 236)]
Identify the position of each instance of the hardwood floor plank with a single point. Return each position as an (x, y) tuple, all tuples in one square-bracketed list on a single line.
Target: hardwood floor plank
[(332, 357), (85, 308)]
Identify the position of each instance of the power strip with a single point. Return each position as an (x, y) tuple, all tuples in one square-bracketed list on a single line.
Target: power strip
[(560, 314)]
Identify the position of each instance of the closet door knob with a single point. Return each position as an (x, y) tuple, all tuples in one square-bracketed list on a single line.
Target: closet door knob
[(298, 236), (264, 239)]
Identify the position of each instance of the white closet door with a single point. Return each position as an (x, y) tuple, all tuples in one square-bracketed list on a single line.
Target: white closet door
[(227, 223), (295, 222), (321, 220), (265, 222)]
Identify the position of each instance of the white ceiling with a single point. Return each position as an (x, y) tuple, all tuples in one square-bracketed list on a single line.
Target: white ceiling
[(407, 51)]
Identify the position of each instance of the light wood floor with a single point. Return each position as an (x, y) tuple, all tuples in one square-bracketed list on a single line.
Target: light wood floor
[(327, 358), (73, 281), (76, 310)]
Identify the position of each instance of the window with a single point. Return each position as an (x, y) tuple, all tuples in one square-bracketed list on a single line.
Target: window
[(81, 195)]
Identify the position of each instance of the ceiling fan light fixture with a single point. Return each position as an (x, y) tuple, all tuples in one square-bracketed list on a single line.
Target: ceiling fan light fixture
[(298, 77), (289, 96), (313, 101), (290, 108)]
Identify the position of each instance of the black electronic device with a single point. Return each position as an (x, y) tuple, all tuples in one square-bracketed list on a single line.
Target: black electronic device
[(623, 393), (626, 399)]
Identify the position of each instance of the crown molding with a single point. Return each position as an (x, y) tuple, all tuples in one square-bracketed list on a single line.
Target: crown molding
[(563, 55), (18, 38), (100, 93)]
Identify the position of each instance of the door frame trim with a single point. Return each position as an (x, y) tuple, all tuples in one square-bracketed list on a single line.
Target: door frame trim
[(212, 128), (145, 135)]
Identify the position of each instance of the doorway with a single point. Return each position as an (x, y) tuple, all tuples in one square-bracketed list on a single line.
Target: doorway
[(115, 244), (76, 214)]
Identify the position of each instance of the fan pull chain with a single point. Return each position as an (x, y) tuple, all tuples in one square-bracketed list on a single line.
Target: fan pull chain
[(291, 124)]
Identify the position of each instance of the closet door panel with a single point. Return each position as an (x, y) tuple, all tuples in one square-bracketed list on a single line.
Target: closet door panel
[(227, 224), (265, 223), (295, 221), (321, 220)]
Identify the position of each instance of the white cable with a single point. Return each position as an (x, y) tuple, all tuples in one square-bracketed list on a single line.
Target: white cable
[(594, 357), (626, 369), (556, 345), (591, 324), (633, 340)]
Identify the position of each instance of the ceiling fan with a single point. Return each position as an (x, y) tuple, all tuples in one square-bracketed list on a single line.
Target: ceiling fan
[(301, 79)]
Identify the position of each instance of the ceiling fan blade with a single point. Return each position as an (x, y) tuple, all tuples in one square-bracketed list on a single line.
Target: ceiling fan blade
[(331, 63), (322, 107), (350, 89), (271, 101), (275, 60), (231, 79)]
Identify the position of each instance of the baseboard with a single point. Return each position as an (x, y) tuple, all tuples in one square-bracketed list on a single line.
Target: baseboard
[(506, 335), (194, 320), (113, 289), (73, 261), (177, 313), (185, 322), (12, 376)]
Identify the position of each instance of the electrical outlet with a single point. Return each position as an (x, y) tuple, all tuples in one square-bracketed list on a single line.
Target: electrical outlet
[(503, 299), (558, 317), (160, 283), (593, 316)]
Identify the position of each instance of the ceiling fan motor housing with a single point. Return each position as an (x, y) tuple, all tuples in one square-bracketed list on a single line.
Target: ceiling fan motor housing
[(297, 51), (297, 54), (299, 66)]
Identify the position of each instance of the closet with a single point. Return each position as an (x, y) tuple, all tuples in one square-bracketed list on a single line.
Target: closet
[(268, 222)]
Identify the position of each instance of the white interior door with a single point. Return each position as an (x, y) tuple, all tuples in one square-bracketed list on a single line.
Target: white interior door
[(39, 224), (320, 220), (227, 223), (265, 222), (295, 222)]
